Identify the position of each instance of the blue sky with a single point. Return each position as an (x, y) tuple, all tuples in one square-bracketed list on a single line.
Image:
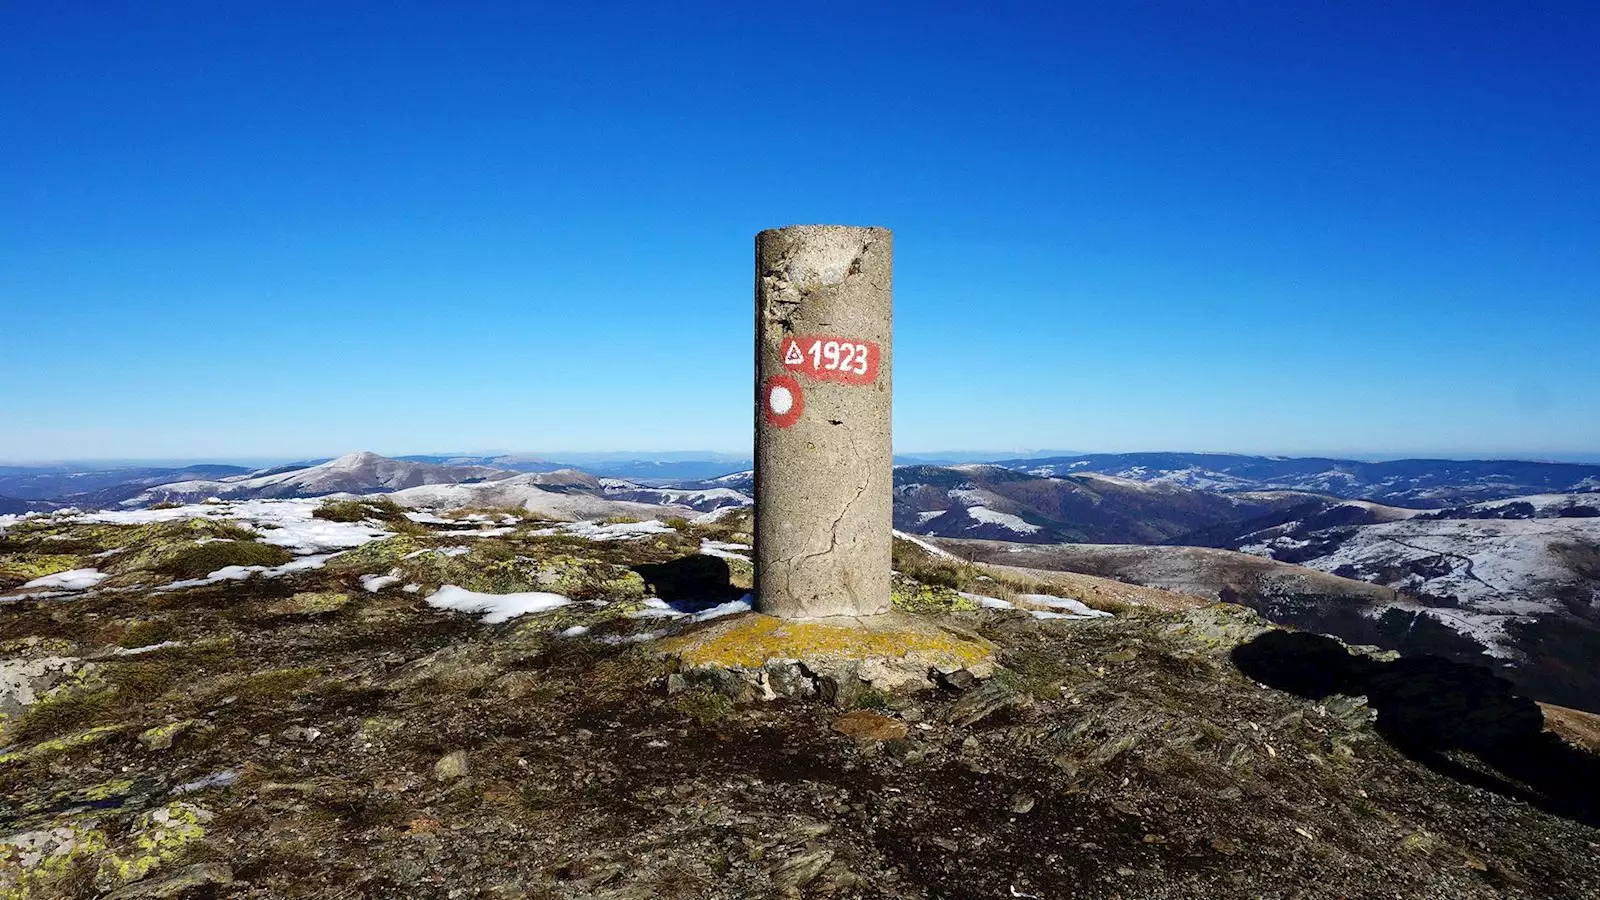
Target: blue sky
[(272, 229)]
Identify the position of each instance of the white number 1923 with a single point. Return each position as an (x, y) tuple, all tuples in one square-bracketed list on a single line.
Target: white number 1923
[(839, 356)]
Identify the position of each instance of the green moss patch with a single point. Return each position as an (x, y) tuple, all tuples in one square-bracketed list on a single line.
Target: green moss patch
[(270, 687), (20, 568), (310, 603), (200, 560), (360, 509)]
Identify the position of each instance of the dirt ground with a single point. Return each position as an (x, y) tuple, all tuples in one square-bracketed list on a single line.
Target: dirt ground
[(302, 736)]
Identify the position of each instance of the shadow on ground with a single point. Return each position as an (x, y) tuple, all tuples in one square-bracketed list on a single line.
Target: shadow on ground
[(1431, 709), (692, 583)]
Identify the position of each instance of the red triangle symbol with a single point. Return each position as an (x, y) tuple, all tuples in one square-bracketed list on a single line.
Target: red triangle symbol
[(792, 355)]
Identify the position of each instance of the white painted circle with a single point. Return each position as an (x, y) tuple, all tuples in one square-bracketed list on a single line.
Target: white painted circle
[(780, 400)]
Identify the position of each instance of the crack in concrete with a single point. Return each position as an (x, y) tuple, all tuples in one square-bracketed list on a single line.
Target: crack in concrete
[(833, 534)]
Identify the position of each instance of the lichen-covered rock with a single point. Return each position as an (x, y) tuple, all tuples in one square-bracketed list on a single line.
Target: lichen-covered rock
[(310, 603), (161, 736), (587, 579), (38, 863), (178, 884), (1219, 627), (139, 554), (64, 744), (866, 725), (452, 766), (20, 568), (157, 838), (24, 681), (928, 599), (378, 556)]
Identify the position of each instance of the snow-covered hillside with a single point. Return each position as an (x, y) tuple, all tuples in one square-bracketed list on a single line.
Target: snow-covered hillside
[(1423, 483), (703, 499), (534, 492), (1519, 578), (355, 473), (996, 503), (1515, 566)]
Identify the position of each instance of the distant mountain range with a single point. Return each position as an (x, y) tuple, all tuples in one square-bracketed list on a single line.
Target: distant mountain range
[(1419, 483), (355, 473), (998, 503), (670, 468), (1496, 562)]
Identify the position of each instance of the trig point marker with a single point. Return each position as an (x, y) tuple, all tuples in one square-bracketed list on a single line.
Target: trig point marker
[(824, 469)]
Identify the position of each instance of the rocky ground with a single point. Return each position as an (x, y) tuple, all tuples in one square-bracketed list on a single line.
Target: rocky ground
[(308, 725)]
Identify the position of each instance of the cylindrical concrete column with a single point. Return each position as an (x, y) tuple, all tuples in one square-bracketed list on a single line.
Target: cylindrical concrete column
[(824, 465)]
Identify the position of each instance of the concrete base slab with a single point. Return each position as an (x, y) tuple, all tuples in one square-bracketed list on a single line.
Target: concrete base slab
[(758, 657)]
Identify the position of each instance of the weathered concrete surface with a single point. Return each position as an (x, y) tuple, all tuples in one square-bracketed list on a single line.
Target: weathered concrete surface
[(824, 471), (759, 657)]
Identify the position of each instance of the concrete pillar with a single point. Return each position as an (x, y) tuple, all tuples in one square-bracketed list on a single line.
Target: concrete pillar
[(824, 467)]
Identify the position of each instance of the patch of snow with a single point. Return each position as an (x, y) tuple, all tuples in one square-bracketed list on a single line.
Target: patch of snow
[(715, 515), (456, 550), (969, 495), (656, 608), (284, 523), (71, 580), (574, 631), (924, 517), (731, 608), (240, 573), (495, 608), (375, 583), (1075, 608), (1008, 521), (412, 588), (987, 602), (639, 638), (149, 648), (937, 552), (619, 531), (723, 549)]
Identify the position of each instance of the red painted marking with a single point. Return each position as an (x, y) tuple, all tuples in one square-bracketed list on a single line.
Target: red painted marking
[(826, 357), (782, 401)]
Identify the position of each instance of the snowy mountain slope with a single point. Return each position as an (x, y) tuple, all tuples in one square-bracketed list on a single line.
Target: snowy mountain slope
[(566, 501), (1501, 566), (100, 487), (355, 473), (1521, 577), (703, 499), (1289, 528), (1519, 596), (1537, 506), (993, 502), (1426, 483)]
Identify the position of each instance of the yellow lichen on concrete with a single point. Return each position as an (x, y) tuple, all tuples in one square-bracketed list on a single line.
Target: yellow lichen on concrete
[(750, 641)]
